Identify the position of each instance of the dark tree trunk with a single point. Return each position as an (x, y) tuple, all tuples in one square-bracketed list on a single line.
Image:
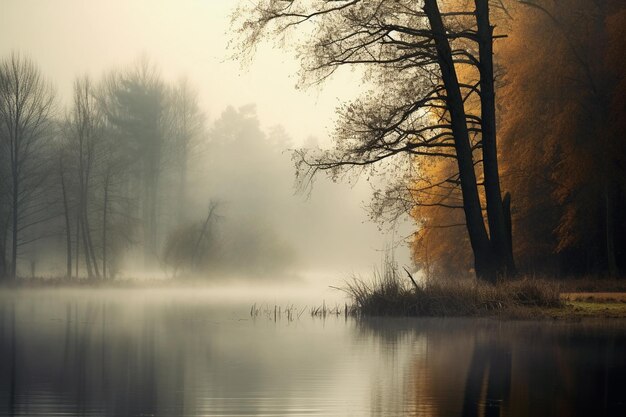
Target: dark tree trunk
[(87, 254), (205, 227), (610, 232), (479, 240), (3, 246), (87, 229), (104, 225), (68, 231), (145, 220), (77, 241), (153, 219), (15, 199), (90, 247), (81, 208), (15, 219), (150, 202), (495, 210)]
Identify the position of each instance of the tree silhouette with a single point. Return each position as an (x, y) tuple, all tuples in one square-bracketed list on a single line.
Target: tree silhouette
[(412, 53), (26, 109)]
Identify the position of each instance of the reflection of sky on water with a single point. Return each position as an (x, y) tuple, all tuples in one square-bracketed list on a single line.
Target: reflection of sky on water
[(188, 353)]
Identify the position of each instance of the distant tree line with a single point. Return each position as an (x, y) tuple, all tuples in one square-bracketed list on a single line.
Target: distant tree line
[(107, 174), (128, 177)]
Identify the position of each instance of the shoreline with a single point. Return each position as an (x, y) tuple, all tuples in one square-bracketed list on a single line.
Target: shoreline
[(606, 300), (570, 311)]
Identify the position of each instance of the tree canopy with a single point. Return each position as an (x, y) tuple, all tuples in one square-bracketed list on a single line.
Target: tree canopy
[(424, 62)]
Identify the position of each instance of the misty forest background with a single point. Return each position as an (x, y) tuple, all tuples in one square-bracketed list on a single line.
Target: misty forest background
[(132, 176)]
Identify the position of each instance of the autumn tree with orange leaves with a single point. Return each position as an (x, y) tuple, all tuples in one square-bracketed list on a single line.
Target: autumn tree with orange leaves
[(415, 114), (561, 123), (563, 134)]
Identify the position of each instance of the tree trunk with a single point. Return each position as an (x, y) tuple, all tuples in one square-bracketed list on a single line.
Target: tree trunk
[(150, 207), (495, 210), (479, 240), (81, 207), (104, 226), (90, 247), (182, 191), (183, 155), (153, 219), (77, 241), (205, 226), (87, 230), (610, 232), (15, 218), (3, 246), (68, 231), (15, 161), (87, 255), (145, 225)]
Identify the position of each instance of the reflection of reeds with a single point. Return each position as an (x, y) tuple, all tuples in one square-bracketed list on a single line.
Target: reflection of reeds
[(388, 293)]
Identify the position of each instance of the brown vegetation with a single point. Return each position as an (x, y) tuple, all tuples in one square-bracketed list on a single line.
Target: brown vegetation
[(389, 293), (561, 99)]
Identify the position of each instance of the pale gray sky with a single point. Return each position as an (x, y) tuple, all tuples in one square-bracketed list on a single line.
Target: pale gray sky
[(189, 37)]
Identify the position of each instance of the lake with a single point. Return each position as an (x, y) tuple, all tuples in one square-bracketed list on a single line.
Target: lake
[(197, 352)]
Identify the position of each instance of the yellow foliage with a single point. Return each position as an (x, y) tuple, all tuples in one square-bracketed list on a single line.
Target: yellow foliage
[(561, 100)]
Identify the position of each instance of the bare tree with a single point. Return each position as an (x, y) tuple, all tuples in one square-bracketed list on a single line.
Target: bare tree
[(112, 174), (430, 69), (85, 125), (93, 151), (26, 107)]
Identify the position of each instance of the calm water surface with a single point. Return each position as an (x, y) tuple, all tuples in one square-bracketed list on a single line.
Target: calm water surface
[(198, 353)]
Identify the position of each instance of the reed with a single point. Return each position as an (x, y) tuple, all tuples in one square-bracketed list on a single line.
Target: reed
[(276, 312)]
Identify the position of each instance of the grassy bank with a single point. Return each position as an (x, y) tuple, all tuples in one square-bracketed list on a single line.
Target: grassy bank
[(394, 293)]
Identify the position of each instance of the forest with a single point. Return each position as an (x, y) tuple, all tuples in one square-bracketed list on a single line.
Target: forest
[(125, 174), (511, 163), (562, 150)]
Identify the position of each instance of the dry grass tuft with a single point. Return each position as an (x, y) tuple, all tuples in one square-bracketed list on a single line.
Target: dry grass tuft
[(390, 293)]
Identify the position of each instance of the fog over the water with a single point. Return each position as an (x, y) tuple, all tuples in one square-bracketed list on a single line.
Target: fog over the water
[(254, 114)]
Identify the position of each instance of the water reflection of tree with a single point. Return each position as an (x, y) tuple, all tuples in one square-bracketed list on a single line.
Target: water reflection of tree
[(101, 356), (493, 362), (492, 368), (435, 363), (162, 359)]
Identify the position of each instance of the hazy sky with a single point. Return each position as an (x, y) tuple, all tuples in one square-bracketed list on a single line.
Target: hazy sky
[(187, 38)]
